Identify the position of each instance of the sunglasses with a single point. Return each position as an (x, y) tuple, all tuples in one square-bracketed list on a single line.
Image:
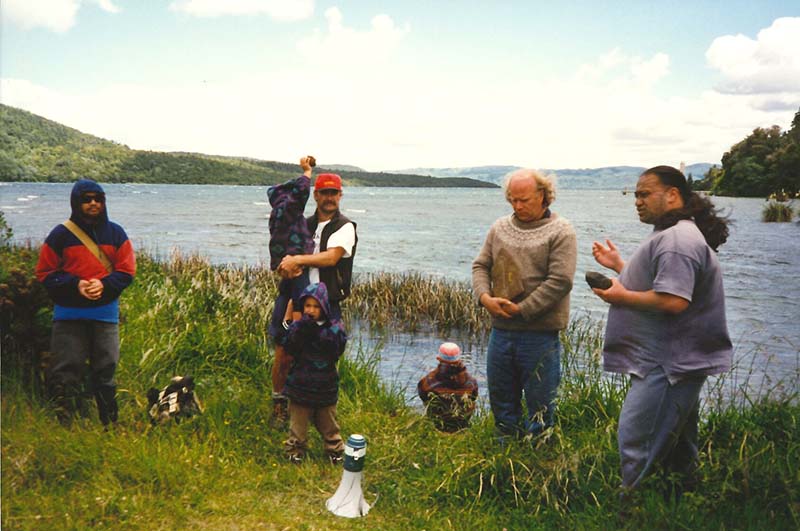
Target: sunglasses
[(86, 199)]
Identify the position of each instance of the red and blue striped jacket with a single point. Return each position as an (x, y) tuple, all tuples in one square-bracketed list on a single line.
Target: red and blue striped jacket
[(64, 260)]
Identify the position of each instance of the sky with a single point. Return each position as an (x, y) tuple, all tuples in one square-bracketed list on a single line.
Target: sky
[(405, 84)]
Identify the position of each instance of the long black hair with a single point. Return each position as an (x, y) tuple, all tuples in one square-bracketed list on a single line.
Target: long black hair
[(706, 216)]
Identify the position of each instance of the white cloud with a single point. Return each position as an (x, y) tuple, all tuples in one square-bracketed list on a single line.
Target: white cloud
[(107, 5), (767, 65), (351, 99), (398, 122), (652, 71), (345, 47), (619, 67), (55, 15), (34, 98), (277, 9)]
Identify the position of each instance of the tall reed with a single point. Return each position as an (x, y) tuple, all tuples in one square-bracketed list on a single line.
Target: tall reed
[(410, 300), (775, 211)]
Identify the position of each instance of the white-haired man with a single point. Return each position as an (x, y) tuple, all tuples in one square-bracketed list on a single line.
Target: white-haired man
[(523, 277)]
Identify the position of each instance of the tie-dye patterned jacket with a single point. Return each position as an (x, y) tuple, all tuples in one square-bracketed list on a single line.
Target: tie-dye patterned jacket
[(288, 229), (313, 379)]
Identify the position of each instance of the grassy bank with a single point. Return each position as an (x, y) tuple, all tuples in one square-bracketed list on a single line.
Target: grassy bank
[(225, 469)]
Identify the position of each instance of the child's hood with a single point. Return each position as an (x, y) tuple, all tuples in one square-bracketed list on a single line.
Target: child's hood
[(319, 292)]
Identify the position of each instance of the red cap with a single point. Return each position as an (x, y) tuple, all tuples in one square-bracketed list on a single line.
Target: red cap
[(328, 181)]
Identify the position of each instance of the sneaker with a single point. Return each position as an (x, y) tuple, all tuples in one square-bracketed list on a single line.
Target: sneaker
[(336, 459), (296, 459)]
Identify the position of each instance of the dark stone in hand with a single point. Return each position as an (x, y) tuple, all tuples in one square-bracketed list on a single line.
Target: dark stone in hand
[(598, 280)]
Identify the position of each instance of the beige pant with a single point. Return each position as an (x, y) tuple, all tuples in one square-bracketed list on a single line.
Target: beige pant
[(324, 419)]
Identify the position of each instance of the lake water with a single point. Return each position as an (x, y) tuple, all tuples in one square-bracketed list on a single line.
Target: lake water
[(439, 232)]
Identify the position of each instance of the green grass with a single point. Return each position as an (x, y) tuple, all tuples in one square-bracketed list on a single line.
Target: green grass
[(225, 469)]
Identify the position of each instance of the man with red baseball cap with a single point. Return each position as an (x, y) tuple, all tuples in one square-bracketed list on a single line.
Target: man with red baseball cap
[(335, 243), (331, 262)]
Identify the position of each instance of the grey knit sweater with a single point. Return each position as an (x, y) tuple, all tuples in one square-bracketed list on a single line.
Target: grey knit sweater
[(532, 264)]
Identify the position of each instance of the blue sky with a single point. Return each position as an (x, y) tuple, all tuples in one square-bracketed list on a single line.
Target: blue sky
[(389, 85)]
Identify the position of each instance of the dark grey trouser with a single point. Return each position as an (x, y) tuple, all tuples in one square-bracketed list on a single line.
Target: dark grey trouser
[(658, 426), (74, 342)]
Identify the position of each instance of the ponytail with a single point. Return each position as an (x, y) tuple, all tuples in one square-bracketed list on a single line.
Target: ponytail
[(706, 216)]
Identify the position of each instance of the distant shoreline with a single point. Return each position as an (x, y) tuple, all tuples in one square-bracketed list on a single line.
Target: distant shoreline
[(346, 184), (361, 185), (36, 149)]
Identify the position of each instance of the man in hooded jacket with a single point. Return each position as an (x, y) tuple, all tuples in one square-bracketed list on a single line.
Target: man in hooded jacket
[(85, 279)]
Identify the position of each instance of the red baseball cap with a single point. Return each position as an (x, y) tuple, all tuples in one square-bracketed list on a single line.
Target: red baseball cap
[(328, 181)]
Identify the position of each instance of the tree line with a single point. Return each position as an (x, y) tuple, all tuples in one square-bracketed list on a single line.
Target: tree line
[(766, 162)]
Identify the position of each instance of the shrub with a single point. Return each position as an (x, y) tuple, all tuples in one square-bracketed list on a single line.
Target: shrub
[(25, 315), (775, 211), (6, 233)]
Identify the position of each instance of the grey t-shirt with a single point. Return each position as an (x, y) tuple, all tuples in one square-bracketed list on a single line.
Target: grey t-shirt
[(694, 342)]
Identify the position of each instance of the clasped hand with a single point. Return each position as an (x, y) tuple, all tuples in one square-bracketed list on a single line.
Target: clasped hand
[(91, 289), (500, 306), (289, 268)]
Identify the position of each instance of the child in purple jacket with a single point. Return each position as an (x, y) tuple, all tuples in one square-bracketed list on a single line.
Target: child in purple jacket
[(315, 343), (288, 230)]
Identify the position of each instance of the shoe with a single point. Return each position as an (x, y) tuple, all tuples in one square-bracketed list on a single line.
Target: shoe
[(336, 459), (295, 459)]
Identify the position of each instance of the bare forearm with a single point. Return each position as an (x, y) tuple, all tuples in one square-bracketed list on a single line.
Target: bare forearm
[(652, 300), (327, 258)]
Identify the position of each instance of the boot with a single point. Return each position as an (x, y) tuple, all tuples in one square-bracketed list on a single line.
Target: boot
[(106, 398), (280, 408), (65, 399), (63, 404), (83, 401)]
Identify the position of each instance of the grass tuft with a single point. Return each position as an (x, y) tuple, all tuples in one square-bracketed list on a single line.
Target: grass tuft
[(775, 211)]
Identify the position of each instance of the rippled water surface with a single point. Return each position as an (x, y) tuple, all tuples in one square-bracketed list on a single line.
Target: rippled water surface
[(439, 232)]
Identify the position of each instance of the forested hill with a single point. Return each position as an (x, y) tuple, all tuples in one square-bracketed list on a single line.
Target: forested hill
[(33, 148)]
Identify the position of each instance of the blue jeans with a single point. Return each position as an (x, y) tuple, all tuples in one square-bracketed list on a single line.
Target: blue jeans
[(517, 362)]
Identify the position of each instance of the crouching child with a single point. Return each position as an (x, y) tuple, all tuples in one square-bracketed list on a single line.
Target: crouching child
[(449, 391), (315, 343)]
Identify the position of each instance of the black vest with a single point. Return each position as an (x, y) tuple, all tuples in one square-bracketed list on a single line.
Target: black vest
[(336, 278)]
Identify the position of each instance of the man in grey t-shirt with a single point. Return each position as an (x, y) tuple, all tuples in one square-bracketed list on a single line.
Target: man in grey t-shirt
[(666, 325)]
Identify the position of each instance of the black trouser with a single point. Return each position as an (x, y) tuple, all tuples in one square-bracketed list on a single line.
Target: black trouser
[(72, 344)]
